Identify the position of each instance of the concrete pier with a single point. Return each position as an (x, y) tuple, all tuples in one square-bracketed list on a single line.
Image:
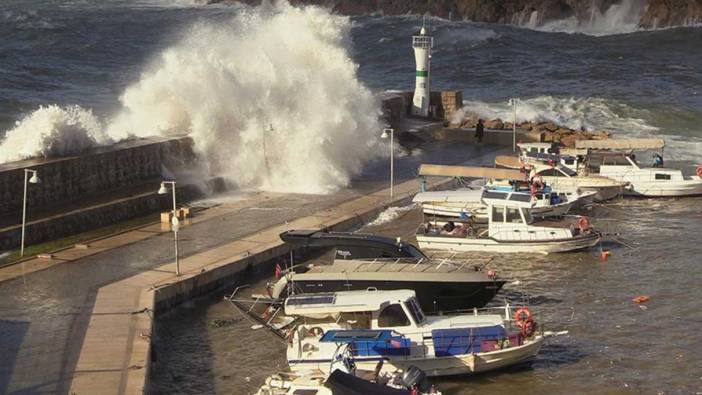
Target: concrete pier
[(114, 358)]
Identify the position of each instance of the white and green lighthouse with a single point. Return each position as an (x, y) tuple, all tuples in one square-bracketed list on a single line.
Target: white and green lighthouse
[(422, 45)]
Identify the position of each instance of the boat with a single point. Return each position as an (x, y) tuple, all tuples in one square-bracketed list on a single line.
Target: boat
[(469, 203), (560, 177), (390, 326), (346, 379), (510, 229), (615, 159), (366, 261)]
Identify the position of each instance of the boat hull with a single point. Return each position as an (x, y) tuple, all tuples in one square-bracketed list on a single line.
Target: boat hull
[(692, 187), (441, 366), (433, 296), (459, 244)]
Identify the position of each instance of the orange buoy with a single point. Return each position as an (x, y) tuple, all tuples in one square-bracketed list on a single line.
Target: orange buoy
[(699, 171), (604, 255), (641, 299)]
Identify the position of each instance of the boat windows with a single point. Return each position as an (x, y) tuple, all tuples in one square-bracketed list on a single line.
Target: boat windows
[(513, 215), (415, 310), (660, 176), (392, 316), (550, 173), (498, 214)]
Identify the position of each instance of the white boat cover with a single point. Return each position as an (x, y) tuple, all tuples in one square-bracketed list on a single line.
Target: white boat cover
[(467, 196), (470, 172), (621, 144)]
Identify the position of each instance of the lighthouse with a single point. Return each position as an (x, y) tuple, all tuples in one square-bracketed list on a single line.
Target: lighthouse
[(422, 45)]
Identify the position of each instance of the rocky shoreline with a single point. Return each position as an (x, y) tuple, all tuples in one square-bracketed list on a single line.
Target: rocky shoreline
[(654, 13), (550, 131)]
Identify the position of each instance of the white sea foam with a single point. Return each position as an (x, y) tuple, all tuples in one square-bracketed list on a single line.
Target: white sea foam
[(390, 214), (620, 18), (589, 114), (52, 131), (270, 98)]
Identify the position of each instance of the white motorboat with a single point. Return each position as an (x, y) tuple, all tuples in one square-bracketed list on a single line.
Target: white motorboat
[(511, 229), (469, 203), (649, 181), (390, 326), (347, 379), (560, 177)]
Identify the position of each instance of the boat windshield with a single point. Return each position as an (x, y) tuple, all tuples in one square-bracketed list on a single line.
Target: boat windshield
[(415, 310)]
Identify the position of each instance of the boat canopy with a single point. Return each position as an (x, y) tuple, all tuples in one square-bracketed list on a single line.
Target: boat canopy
[(329, 304), (508, 199), (469, 172), (356, 335), (621, 144), (468, 196), (355, 245)]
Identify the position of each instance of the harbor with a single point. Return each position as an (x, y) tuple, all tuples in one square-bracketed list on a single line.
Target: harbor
[(363, 204)]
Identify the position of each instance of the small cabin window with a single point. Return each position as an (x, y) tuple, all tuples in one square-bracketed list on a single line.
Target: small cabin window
[(569, 161), (660, 176), (416, 311), (533, 149), (498, 214), (513, 215), (550, 173), (391, 316)]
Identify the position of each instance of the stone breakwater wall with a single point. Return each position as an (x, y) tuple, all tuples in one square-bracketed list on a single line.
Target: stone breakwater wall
[(91, 174), (396, 106)]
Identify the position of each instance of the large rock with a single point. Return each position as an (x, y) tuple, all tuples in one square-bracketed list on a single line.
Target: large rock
[(662, 13)]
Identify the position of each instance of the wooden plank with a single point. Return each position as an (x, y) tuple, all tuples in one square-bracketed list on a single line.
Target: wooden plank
[(508, 161), (469, 172), (621, 144)]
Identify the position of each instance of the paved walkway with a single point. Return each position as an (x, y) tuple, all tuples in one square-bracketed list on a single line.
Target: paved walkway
[(53, 312)]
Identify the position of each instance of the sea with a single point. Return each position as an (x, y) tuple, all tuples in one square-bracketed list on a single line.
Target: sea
[(80, 73)]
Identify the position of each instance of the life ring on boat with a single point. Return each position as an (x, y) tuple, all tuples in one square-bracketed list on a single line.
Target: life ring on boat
[(699, 171), (583, 223), (521, 316)]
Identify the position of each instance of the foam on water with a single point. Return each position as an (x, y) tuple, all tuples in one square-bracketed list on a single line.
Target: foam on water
[(586, 113), (390, 214), (52, 131), (270, 98)]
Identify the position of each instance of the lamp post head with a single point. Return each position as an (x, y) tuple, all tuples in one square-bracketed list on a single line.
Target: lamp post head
[(35, 179), (163, 190), (386, 133)]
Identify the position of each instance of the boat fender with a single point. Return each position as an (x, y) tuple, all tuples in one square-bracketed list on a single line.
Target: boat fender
[(315, 331), (699, 171), (538, 181)]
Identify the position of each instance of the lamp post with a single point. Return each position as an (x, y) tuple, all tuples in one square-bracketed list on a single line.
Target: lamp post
[(174, 220), (34, 180), (391, 132), (514, 125)]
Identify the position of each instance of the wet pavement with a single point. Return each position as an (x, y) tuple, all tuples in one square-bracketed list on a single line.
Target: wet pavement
[(43, 315)]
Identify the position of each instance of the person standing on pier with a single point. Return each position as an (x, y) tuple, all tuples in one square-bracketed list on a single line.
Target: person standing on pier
[(480, 130)]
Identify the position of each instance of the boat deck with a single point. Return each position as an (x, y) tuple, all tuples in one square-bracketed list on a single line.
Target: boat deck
[(445, 265)]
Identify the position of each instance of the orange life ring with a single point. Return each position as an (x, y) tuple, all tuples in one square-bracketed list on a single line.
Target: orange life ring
[(521, 316), (699, 171), (583, 223)]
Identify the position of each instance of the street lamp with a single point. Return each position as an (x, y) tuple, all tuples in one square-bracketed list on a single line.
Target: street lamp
[(33, 180), (390, 132), (174, 220)]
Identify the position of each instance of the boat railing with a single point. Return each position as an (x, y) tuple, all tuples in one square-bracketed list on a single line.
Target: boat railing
[(451, 261)]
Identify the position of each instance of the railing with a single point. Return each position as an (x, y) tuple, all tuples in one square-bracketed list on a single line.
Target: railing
[(424, 42)]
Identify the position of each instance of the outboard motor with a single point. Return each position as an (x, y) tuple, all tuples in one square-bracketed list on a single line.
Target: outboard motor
[(415, 376)]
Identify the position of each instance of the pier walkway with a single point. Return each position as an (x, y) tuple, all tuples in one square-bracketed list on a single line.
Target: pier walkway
[(84, 318)]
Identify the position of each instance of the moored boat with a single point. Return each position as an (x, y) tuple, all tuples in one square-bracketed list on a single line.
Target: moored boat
[(391, 326), (511, 229)]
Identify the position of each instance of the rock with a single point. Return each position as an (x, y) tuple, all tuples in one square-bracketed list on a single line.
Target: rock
[(665, 13), (564, 131), (494, 124), (550, 126)]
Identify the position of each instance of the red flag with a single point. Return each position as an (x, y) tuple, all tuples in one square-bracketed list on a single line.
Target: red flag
[(278, 271)]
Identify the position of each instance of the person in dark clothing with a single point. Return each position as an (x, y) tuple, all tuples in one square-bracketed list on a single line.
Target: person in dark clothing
[(480, 130)]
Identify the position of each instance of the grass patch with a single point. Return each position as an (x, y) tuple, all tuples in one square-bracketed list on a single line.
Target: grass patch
[(69, 241)]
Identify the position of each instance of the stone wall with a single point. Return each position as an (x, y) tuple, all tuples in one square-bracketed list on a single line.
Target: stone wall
[(93, 173), (397, 106)]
